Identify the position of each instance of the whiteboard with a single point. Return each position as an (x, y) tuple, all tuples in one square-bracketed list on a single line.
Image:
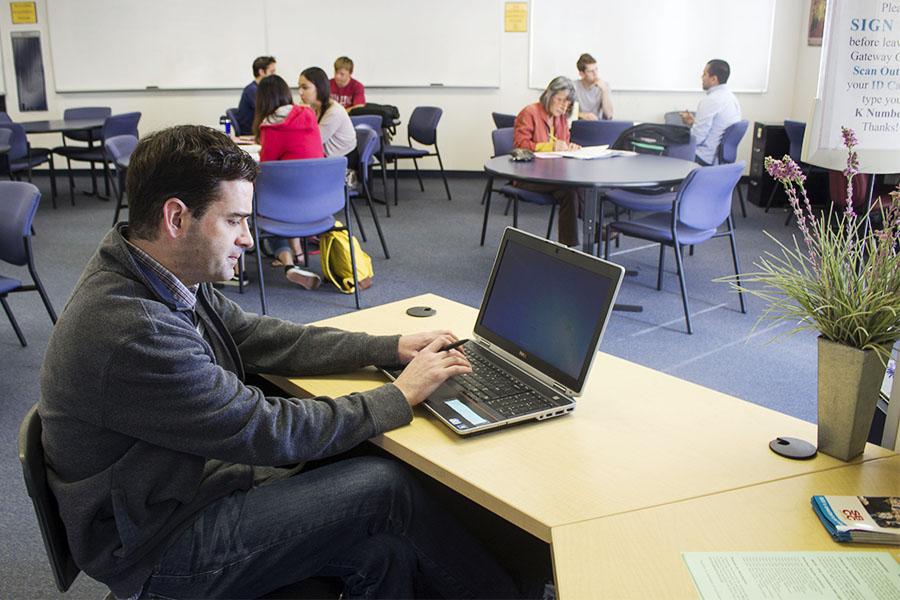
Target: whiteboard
[(664, 53), (107, 45), (393, 43)]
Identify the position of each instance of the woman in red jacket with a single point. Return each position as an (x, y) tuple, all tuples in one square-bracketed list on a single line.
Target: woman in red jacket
[(544, 127), (286, 131)]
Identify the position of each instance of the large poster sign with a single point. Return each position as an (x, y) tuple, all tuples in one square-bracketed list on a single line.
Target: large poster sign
[(859, 86)]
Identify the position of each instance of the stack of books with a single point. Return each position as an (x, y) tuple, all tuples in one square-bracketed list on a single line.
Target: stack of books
[(867, 519)]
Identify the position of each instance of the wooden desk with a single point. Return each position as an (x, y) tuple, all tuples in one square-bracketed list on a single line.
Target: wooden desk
[(638, 554), (638, 439)]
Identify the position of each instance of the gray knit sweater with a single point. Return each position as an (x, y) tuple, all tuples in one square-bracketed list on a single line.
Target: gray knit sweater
[(146, 422)]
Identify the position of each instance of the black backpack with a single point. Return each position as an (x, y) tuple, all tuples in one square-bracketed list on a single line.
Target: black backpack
[(652, 138), (388, 113)]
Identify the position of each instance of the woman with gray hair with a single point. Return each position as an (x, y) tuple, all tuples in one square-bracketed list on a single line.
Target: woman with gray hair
[(544, 127)]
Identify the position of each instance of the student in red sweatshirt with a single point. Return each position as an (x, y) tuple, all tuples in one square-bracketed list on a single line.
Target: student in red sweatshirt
[(286, 131)]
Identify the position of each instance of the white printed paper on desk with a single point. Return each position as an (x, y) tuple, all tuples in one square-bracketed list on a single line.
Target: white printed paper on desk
[(794, 575)]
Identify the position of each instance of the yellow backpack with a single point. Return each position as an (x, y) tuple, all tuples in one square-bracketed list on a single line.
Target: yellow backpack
[(334, 248)]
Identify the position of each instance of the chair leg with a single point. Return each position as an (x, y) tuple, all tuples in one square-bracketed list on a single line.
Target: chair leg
[(508, 206), (771, 198), (396, 176), (443, 175), (418, 176), (550, 222), (375, 220), (515, 211), (38, 284), (741, 200), (259, 267), (13, 322), (789, 218), (662, 262), (684, 296), (71, 181), (362, 231), (120, 194), (737, 266), (383, 169), (52, 180), (106, 177), (352, 255), (486, 200)]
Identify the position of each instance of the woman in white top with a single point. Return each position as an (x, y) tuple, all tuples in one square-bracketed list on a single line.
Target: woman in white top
[(335, 126)]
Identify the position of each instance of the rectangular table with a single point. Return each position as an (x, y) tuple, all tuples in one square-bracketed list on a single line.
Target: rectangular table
[(638, 439)]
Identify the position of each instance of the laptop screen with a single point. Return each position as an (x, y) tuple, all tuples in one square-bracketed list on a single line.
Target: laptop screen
[(548, 305)]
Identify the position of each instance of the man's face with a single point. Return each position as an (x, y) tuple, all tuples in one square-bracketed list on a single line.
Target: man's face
[(559, 103), (270, 70), (707, 80), (342, 77), (214, 243), (590, 75)]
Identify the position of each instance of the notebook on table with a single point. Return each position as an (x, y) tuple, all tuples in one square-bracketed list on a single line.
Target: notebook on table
[(541, 320)]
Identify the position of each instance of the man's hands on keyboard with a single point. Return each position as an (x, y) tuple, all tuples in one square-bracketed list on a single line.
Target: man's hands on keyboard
[(430, 368)]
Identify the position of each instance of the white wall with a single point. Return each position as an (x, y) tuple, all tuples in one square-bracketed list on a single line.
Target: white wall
[(464, 132)]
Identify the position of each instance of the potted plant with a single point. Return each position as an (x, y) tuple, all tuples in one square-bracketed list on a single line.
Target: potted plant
[(843, 281)]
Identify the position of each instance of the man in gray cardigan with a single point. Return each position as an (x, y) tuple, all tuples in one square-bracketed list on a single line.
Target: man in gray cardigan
[(175, 478)]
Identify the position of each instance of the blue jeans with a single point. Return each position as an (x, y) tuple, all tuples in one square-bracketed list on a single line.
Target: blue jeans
[(364, 520)]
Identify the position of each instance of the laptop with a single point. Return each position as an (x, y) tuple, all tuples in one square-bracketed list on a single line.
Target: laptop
[(543, 314)]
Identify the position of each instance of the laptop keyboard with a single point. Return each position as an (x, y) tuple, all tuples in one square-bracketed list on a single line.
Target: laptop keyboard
[(501, 391)]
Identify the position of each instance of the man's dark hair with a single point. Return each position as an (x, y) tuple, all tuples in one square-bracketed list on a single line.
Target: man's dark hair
[(261, 64), (187, 162), (720, 69), (319, 78), (584, 60)]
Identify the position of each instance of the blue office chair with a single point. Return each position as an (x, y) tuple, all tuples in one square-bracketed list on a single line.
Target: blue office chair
[(121, 124), (23, 158), (375, 122), (298, 199), (701, 206), (231, 115), (367, 143), (503, 120), (502, 140), (598, 133), (18, 205), (726, 153), (423, 129), (119, 149), (91, 137)]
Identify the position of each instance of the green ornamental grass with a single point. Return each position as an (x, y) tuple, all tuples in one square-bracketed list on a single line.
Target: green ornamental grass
[(844, 279)]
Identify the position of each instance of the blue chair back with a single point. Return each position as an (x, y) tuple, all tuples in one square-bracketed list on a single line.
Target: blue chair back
[(301, 191), (18, 205), (84, 112), (731, 139), (18, 141), (503, 140), (366, 145), (5, 135), (503, 120), (683, 151), (373, 121), (119, 148), (423, 124), (795, 131), (704, 198), (123, 124), (598, 133), (4, 118), (673, 117), (232, 114)]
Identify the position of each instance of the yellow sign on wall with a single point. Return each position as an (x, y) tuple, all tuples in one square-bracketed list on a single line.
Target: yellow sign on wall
[(516, 16), (23, 12)]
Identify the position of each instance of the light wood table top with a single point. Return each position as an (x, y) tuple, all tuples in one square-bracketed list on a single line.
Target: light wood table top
[(639, 554), (638, 438)]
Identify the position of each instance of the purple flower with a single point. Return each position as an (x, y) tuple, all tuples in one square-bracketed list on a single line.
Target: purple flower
[(784, 170), (849, 137)]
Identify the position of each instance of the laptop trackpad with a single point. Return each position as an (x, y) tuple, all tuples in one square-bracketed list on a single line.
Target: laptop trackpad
[(456, 409)]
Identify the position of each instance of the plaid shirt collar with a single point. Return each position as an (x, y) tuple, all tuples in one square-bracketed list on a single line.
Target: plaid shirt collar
[(183, 297)]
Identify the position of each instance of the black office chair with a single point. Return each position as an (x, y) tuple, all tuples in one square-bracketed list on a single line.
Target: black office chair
[(503, 120), (53, 532), (422, 128), (232, 113)]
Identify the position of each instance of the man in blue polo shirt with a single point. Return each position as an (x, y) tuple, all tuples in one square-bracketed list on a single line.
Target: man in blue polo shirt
[(716, 112), (262, 66)]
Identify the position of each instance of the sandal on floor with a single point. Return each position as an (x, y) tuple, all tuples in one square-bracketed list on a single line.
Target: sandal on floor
[(298, 260), (305, 279)]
